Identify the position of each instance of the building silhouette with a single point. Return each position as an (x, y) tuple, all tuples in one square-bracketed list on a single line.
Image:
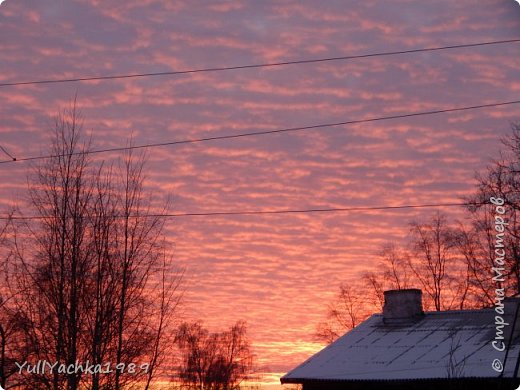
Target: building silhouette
[(405, 348)]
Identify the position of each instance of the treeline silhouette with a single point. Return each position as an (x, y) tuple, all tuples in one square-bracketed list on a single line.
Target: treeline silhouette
[(450, 260), (92, 281)]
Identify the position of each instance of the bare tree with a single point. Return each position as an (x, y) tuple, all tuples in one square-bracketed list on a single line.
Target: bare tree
[(393, 273), (450, 262), (52, 274), (214, 361), (93, 268), (474, 245), (376, 283), (500, 180), (433, 263), (345, 312), (12, 348), (394, 267), (167, 300), (138, 251), (434, 249)]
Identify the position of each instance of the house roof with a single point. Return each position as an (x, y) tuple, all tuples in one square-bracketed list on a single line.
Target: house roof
[(419, 350)]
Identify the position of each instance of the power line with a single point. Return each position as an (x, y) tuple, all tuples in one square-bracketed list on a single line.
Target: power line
[(273, 212), (252, 66), (6, 152), (267, 132)]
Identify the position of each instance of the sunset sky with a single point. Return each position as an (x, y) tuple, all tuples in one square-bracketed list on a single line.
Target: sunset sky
[(277, 272)]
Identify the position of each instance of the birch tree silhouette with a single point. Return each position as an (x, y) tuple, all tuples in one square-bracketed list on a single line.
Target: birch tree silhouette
[(93, 269)]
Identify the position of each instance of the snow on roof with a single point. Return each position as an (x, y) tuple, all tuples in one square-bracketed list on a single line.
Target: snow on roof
[(440, 345)]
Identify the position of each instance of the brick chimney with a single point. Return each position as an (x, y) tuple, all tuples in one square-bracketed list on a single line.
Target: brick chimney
[(402, 306)]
